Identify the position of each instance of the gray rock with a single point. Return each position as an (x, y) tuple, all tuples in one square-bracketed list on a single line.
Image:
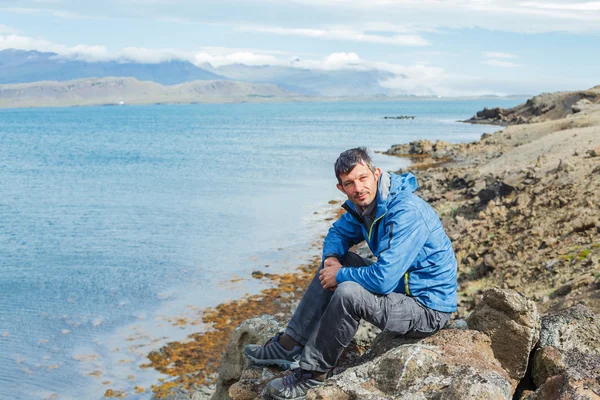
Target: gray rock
[(366, 334), (452, 364), (567, 362), (233, 362), (512, 323)]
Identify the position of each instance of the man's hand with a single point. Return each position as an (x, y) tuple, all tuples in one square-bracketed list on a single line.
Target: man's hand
[(331, 266)]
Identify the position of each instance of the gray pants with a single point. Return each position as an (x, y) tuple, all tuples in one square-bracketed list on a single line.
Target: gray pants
[(325, 322)]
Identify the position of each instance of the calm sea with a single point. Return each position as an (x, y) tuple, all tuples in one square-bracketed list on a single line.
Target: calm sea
[(115, 220)]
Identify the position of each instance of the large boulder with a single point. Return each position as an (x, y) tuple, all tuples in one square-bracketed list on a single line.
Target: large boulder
[(567, 360), (421, 147), (233, 362), (513, 325), (452, 364)]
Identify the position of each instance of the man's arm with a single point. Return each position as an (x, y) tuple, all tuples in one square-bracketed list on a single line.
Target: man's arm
[(407, 233)]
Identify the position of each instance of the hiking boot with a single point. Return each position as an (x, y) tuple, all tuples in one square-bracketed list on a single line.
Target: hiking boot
[(293, 386), (272, 353)]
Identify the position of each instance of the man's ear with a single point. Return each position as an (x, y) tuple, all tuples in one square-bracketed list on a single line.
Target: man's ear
[(340, 188), (377, 173)]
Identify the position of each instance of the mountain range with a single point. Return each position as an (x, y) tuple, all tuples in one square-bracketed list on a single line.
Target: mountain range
[(115, 91), (20, 66)]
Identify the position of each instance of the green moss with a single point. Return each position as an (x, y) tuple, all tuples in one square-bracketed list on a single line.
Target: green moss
[(583, 254), (567, 257), (596, 245)]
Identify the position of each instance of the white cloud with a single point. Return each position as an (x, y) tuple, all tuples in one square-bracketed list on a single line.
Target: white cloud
[(341, 34), (586, 6), (504, 15), (501, 63), (13, 41), (496, 54), (245, 57)]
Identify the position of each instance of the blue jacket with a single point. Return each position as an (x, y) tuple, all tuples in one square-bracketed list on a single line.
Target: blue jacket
[(414, 255)]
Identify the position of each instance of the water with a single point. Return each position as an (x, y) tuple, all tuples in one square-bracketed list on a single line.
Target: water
[(114, 219)]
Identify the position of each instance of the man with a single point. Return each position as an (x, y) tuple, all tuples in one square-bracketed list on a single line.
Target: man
[(409, 290)]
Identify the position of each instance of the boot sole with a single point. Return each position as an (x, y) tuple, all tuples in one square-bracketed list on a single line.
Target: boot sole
[(283, 364)]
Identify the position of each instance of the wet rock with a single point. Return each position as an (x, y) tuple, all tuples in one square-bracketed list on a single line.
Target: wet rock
[(452, 364), (233, 362), (258, 274), (494, 190), (567, 361), (512, 323)]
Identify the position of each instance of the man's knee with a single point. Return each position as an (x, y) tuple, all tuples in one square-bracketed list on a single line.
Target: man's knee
[(348, 291), (350, 297)]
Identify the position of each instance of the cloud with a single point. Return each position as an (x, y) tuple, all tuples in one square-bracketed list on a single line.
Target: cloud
[(499, 59), (503, 15), (501, 64), (244, 57), (341, 34), (587, 6), (13, 41), (216, 56), (494, 54)]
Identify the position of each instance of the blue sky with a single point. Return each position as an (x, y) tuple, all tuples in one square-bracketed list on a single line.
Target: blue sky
[(444, 47)]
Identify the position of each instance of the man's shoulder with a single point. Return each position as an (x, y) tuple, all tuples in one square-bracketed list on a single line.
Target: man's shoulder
[(407, 202), (405, 198)]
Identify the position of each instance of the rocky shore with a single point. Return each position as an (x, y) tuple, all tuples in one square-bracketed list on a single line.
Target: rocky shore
[(522, 208)]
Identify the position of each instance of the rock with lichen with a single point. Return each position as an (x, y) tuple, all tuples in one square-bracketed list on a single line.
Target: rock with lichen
[(567, 360), (452, 364), (513, 325), (233, 362)]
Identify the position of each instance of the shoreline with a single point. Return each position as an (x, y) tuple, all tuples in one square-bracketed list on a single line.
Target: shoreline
[(255, 100)]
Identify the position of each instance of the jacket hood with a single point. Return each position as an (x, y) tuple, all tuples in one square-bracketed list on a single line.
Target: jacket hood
[(393, 183)]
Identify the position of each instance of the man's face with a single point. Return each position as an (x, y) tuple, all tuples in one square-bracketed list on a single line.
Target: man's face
[(360, 185)]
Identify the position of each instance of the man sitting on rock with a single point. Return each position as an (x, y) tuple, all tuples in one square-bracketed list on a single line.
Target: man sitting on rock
[(409, 290)]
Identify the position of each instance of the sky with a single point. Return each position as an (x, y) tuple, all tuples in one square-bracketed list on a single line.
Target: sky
[(441, 47)]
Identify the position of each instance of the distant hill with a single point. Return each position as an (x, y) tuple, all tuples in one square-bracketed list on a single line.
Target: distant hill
[(18, 66), (312, 82), (94, 91)]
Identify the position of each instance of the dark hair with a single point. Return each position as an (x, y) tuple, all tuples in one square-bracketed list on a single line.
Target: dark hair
[(349, 159)]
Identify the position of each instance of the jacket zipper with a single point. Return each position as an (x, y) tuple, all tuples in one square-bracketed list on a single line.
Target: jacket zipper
[(406, 289), (373, 223)]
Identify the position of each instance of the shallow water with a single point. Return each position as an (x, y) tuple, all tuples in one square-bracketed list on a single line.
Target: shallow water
[(115, 219)]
